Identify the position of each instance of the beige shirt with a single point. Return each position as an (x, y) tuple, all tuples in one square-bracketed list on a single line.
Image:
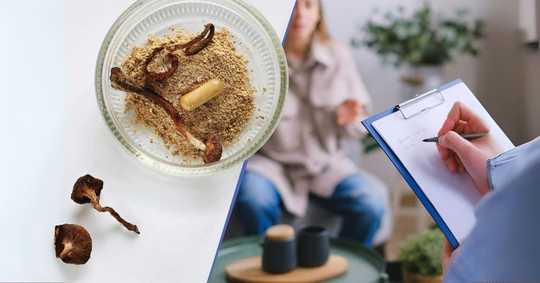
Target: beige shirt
[(304, 153)]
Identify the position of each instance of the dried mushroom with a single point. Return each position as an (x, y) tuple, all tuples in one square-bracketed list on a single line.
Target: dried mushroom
[(161, 64), (198, 43), (87, 189), (72, 243), (212, 148)]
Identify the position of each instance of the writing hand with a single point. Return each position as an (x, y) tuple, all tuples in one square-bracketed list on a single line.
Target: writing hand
[(461, 155)]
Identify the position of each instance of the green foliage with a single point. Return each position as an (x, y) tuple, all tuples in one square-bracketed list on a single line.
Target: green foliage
[(420, 40), (422, 254), (369, 144)]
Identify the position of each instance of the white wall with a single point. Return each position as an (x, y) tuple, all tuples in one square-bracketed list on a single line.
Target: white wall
[(497, 76)]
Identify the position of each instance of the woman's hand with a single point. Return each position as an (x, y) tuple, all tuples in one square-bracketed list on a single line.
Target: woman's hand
[(462, 155), (349, 111)]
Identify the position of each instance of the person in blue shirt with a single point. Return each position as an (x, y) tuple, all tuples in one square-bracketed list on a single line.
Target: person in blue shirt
[(504, 245)]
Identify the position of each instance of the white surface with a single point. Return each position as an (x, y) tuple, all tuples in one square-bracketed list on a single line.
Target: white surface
[(453, 195), (53, 133)]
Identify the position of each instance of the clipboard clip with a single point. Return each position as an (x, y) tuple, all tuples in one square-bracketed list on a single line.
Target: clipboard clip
[(421, 103)]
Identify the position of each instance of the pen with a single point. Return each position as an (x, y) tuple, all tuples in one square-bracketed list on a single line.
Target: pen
[(465, 136)]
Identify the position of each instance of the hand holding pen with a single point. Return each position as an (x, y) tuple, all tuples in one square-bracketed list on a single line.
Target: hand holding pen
[(464, 144)]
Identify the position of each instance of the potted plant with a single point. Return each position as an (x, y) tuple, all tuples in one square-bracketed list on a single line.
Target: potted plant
[(421, 258), (421, 42)]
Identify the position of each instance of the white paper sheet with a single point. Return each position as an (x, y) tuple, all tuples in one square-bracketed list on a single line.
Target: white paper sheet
[(453, 195)]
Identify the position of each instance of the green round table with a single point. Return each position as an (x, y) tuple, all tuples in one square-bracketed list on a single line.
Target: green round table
[(364, 264)]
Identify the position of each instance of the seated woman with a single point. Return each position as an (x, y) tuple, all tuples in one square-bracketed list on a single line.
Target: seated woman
[(326, 102)]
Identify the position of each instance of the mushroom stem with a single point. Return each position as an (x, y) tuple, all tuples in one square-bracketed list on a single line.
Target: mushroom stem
[(67, 248), (129, 226), (203, 40), (198, 43), (87, 189), (195, 142), (120, 81)]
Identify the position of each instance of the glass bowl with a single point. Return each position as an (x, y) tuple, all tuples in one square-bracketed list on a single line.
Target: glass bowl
[(254, 38)]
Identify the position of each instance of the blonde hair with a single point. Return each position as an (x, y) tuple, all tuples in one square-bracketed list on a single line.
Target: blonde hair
[(321, 30)]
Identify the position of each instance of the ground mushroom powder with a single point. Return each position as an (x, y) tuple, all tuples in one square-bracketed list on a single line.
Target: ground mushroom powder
[(225, 115)]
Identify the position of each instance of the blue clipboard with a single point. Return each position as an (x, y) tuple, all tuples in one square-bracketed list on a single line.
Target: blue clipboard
[(368, 124)]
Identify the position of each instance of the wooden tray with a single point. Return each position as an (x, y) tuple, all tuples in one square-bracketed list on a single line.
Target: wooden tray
[(249, 270), (364, 265)]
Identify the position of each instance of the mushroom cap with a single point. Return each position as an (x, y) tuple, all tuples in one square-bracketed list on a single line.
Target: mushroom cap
[(72, 243), (85, 187), (213, 150), (162, 65)]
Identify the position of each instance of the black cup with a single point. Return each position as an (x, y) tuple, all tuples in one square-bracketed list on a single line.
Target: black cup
[(279, 256), (313, 246)]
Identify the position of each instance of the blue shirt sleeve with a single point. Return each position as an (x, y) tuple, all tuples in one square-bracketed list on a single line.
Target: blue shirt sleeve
[(504, 245)]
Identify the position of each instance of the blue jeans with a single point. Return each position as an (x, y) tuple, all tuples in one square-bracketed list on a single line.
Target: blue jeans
[(361, 206)]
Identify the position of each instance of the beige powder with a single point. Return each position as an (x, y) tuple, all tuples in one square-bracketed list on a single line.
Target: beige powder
[(226, 115)]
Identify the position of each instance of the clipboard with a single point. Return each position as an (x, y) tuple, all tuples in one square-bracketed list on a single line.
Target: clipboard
[(409, 109)]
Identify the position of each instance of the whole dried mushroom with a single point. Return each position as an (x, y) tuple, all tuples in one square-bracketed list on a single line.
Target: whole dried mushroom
[(72, 243), (87, 189), (212, 149), (161, 65)]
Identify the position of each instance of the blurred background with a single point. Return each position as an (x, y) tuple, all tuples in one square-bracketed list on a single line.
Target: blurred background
[(504, 75), (404, 48)]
